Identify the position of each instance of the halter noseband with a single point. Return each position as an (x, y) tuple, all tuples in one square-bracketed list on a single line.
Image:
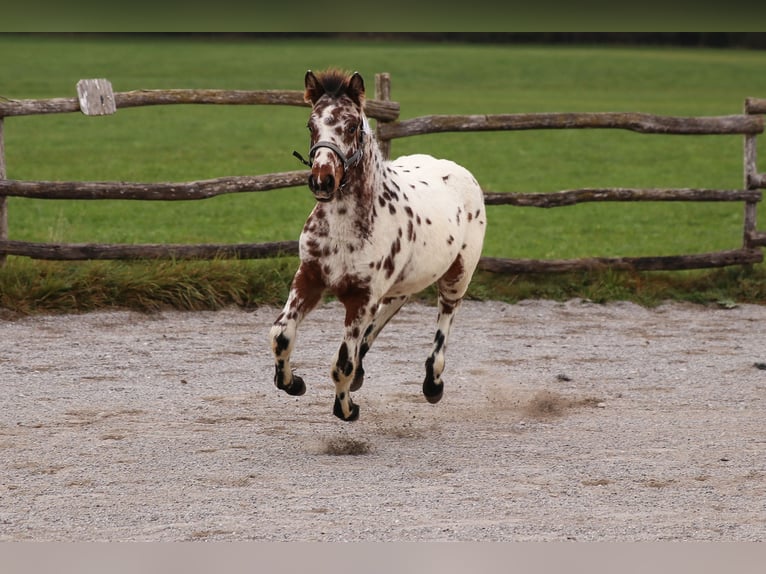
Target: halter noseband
[(350, 161)]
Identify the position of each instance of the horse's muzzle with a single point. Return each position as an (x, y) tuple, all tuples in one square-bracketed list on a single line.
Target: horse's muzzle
[(323, 188)]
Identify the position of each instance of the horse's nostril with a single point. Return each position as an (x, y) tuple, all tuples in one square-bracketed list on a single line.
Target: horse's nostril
[(324, 184)]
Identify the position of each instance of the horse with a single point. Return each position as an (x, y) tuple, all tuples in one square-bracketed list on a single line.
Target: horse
[(380, 232)]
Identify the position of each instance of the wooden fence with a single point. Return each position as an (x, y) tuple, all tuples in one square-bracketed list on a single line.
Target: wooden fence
[(95, 97)]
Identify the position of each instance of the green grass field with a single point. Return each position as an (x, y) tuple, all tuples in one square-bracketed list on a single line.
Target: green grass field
[(185, 143)]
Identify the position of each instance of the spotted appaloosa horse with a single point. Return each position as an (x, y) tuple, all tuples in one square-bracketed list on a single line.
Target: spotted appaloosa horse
[(380, 232)]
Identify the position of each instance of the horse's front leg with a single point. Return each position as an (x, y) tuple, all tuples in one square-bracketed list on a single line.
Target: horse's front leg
[(386, 310), (305, 293), (360, 312)]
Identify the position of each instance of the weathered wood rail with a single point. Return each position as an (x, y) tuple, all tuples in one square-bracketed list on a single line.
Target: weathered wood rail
[(642, 123), (664, 263), (82, 251), (575, 196), (96, 98), (192, 190), (382, 110)]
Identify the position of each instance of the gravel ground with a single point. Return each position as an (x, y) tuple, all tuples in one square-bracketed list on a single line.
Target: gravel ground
[(560, 421)]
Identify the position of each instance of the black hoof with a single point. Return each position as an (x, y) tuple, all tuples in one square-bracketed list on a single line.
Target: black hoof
[(338, 411), (358, 379), (432, 391), (296, 388)]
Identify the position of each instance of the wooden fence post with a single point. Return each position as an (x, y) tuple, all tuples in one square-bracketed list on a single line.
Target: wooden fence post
[(96, 97), (750, 176), (383, 92), (3, 199)]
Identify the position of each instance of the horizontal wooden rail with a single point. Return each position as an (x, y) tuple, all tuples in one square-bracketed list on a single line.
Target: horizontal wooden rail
[(151, 191), (756, 239), (96, 251), (83, 251), (661, 263), (205, 189), (575, 196), (755, 105), (638, 122), (757, 180), (378, 109)]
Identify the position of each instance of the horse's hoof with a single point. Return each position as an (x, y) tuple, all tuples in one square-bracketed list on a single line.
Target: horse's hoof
[(338, 411), (432, 391), (296, 388), (358, 379)]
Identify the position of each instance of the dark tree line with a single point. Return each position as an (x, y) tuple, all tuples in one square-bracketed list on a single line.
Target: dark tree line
[(755, 40)]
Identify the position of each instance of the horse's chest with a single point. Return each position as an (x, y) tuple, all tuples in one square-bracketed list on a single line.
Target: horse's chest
[(338, 252)]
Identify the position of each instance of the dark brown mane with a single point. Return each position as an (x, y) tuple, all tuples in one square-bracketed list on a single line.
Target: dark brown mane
[(334, 83)]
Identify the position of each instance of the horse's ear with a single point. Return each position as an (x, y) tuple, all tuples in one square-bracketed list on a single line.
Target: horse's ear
[(356, 88), (314, 89)]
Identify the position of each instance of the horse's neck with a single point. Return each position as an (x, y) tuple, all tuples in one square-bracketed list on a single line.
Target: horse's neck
[(362, 189), (373, 164)]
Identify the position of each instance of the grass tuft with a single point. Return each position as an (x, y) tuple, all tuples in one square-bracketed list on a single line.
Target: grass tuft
[(742, 284), (30, 287), (33, 287)]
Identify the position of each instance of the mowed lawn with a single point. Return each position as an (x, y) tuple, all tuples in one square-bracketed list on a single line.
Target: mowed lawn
[(187, 143)]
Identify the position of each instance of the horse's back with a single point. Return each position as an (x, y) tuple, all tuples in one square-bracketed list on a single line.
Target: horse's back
[(429, 175), (448, 218), (444, 188)]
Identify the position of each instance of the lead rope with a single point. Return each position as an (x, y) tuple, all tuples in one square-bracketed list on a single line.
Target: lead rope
[(300, 158)]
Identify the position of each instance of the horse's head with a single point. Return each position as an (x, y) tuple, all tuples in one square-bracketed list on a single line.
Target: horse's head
[(337, 125)]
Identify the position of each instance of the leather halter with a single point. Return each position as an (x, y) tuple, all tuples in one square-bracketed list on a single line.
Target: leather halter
[(350, 161)]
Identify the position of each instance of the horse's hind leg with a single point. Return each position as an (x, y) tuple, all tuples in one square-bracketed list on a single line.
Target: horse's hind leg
[(305, 292), (386, 310), (452, 287), (433, 386)]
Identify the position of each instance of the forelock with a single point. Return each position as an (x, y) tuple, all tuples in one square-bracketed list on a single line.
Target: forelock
[(334, 82)]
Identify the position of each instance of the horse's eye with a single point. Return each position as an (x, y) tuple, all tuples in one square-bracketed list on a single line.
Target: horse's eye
[(352, 128)]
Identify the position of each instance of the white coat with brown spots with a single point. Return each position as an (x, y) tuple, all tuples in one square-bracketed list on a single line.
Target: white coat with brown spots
[(380, 232)]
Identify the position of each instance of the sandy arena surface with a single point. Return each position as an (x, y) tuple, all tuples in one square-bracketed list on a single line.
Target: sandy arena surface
[(560, 421)]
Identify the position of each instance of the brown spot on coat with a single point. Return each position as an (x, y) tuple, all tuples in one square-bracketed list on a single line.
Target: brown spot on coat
[(354, 293), (388, 265), (308, 284), (313, 247), (454, 273), (410, 232)]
